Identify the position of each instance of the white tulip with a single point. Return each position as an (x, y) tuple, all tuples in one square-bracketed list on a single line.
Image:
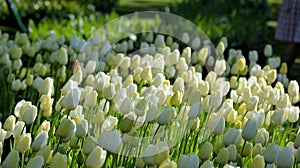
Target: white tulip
[(110, 141)]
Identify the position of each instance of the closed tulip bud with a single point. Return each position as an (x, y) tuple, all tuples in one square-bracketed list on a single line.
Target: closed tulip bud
[(45, 86), (257, 150), (16, 85), (82, 129), (12, 159), (284, 101), (204, 88), (90, 99), (232, 152), (24, 143), (18, 129), (44, 127), (247, 149), (293, 114), (17, 64), (268, 50), (36, 161), (110, 141), (88, 145), (71, 99), (59, 160), (272, 75), (190, 160), (271, 152), (251, 104), (109, 91), (279, 117), (249, 130), (96, 158), (293, 88), (258, 162), (232, 136), (66, 129), (9, 123), (220, 67), (241, 64), (15, 52), (126, 123), (216, 124), (222, 157), (216, 99), (233, 82), (207, 164), (45, 152), (283, 69), (284, 158), (30, 114), (40, 141), (176, 99), (178, 85), (166, 116), (205, 151), (195, 110)]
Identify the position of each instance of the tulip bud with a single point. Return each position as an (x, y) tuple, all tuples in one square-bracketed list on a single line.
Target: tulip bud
[(9, 123), (18, 129), (216, 124), (216, 99), (109, 123), (247, 149), (82, 129), (167, 115), (222, 157), (241, 64), (257, 150), (232, 136), (249, 130), (284, 101), (195, 110), (110, 141), (293, 88), (204, 88), (272, 75), (126, 123), (71, 99), (178, 85), (258, 162), (268, 50), (279, 117), (232, 152), (190, 160), (168, 164), (12, 159), (293, 114), (66, 129), (36, 161), (283, 68), (15, 52), (176, 99), (271, 152), (90, 99), (205, 151), (284, 158), (88, 145), (207, 164), (96, 158), (220, 67), (40, 141), (251, 104), (24, 143), (59, 160)]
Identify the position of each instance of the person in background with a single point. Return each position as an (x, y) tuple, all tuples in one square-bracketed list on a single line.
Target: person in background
[(288, 29)]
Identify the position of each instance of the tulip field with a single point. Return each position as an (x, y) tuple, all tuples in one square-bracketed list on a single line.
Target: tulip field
[(143, 90)]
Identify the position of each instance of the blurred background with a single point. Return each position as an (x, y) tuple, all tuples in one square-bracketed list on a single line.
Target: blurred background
[(247, 24)]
